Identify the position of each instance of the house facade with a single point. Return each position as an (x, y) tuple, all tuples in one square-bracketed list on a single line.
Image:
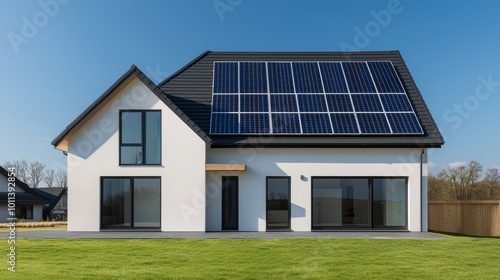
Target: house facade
[(28, 204), (254, 142)]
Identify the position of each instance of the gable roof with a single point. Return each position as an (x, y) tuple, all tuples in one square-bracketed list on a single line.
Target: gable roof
[(133, 72), (191, 90), (188, 93), (30, 196)]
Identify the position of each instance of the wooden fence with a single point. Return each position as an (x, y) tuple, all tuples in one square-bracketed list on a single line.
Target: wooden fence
[(473, 217)]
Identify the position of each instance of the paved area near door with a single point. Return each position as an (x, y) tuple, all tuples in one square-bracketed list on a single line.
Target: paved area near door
[(234, 235)]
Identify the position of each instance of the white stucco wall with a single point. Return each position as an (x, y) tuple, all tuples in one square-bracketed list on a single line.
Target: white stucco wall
[(309, 163), (94, 153)]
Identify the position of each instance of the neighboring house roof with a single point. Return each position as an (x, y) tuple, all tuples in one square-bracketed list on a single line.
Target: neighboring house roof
[(51, 191), (29, 196), (188, 93), (54, 195), (48, 195)]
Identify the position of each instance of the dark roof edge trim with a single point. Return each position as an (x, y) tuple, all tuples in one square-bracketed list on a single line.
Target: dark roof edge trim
[(19, 183)]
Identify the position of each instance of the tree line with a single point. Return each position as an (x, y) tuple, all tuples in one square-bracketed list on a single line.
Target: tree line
[(466, 182), (34, 173)]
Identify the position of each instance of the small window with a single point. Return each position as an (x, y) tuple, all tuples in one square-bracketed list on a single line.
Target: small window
[(140, 137), (24, 212)]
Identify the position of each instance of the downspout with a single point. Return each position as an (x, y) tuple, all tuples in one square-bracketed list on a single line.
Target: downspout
[(422, 190)]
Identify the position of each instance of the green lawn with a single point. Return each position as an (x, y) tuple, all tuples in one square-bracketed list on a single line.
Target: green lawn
[(23, 229), (453, 258)]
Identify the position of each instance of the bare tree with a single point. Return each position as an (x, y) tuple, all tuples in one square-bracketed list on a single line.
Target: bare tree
[(50, 176), (21, 169), (36, 173), (492, 183), (462, 181), (436, 188), (61, 179)]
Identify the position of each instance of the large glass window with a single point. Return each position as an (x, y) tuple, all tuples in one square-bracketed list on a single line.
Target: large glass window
[(130, 202), (140, 137), (278, 203), (359, 203), (389, 202), (340, 202)]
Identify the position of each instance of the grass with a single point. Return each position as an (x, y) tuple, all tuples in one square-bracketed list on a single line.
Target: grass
[(34, 226), (453, 258)]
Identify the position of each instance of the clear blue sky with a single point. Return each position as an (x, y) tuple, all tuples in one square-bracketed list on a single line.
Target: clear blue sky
[(56, 59)]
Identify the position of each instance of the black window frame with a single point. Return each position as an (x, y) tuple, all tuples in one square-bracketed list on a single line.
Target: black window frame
[(370, 206), (131, 227), (277, 228), (143, 139)]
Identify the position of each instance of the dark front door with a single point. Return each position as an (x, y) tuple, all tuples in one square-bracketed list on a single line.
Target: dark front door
[(229, 203)]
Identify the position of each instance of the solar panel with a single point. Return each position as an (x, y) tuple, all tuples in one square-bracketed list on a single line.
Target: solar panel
[(366, 103), (225, 77), (307, 78), (253, 77), (333, 77), (286, 123), (373, 123), (225, 103), (396, 103), (280, 77), (339, 102), (254, 123), (385, 77), (328, 97), (312, 103), (224, 124), (344, 123), (315, 123), (283, 103), (254, 103), (404, 123), (358, 77)]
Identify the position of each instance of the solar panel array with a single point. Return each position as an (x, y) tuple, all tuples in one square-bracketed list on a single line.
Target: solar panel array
[(362, 97)]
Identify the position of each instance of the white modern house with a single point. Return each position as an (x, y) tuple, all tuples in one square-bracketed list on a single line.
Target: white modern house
[(254, 141)]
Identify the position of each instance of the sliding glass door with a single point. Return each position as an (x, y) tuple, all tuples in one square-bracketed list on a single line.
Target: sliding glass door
[(359, 203), (340, 202), (130, 203), (389, 202)]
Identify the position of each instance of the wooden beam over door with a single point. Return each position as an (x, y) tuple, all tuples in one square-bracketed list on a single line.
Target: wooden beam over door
[(224, 167)]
